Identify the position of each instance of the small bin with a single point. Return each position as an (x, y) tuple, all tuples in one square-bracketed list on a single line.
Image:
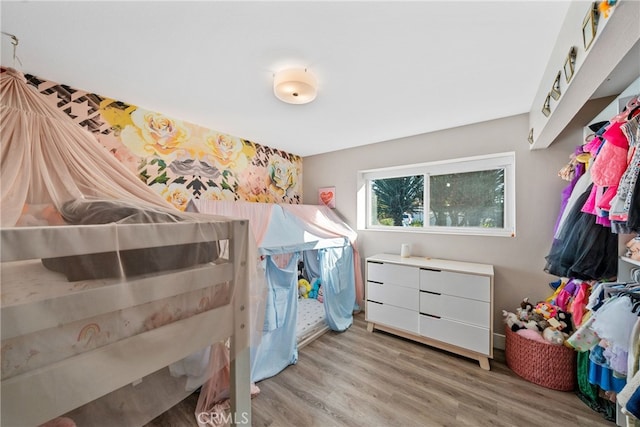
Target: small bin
[(548, 365)]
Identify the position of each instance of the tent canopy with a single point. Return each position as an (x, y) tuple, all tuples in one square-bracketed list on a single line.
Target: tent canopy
[(285, 228), (327, 245)]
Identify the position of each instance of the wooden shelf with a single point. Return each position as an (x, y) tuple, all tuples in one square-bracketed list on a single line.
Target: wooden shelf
[(609, 65)]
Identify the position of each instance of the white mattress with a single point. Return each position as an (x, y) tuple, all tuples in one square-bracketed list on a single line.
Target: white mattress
[(311, 317)]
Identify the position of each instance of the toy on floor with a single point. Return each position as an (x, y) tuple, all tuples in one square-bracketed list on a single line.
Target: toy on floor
[(315, 286), (304, 287), (320, 294)]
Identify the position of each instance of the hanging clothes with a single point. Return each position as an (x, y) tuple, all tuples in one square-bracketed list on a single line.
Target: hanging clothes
[(583, 249), (622, 201)]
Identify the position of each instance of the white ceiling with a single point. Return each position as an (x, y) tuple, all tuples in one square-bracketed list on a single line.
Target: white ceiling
[(386, 69)]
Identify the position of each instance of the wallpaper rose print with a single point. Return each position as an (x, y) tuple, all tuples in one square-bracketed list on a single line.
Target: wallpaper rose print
[(181, 160)]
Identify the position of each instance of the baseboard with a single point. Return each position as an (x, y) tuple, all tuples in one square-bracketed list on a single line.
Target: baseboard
[(498, 341)]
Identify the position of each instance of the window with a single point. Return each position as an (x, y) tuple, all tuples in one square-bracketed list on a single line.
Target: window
[(474, 195)]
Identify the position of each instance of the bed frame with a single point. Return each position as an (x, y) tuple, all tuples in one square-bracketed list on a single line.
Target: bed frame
[(41, 394)]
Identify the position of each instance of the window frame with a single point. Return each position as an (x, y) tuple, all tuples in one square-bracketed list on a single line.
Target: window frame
[(459, 165)]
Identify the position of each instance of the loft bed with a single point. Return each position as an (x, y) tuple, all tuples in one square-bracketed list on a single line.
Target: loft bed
[(87, 343)]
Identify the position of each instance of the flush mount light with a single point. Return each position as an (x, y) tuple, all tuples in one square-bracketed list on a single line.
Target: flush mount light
[(295, 86)]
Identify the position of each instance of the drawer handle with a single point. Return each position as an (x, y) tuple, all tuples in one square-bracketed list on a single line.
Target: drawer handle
[(431, 269), (431, 315), (432, 293), (373, 281), (375, 262), (375, 302)]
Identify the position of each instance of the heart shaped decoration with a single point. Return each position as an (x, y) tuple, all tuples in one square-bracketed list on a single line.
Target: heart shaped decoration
[(326, 197)]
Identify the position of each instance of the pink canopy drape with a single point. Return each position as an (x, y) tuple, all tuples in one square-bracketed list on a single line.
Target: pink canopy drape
[(49, 163), (47, 160)]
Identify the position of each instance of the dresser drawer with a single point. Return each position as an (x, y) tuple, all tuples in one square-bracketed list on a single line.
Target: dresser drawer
[(463, 335), (393, 295), (455, 308), (393, 274), (394, 317), (456, 284)]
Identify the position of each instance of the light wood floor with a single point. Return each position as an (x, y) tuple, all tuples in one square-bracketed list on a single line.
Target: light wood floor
[(356, 378)]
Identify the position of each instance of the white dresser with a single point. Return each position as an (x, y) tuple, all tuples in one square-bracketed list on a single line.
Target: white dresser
[(442, 303)]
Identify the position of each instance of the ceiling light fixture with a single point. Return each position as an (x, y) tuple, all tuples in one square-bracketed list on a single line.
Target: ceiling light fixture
[(295, 86)]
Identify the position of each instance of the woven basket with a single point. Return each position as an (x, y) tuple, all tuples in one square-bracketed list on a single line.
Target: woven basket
[(551, 366)]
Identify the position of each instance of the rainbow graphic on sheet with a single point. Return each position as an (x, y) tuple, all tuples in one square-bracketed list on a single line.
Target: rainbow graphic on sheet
[(88, 333)]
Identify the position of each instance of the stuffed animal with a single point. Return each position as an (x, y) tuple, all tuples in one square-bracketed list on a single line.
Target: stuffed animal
[(320, 294), (531, 324), (525, 310), (532, 335), (313, 293), (547, 310), (303, 288), (554, 336), (604, 7), (315, 286), (512, 321), (566, 322), (541, 322)]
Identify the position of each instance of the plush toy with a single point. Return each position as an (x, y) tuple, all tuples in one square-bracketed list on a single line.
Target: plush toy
[(512, 321), (320, 294), (541, 322), (554, 336), (547, 310), (605, 6), (566, 322), (313, 293), (532, 335), (531, 324), (315, 285), (304, 287), (525, 310)]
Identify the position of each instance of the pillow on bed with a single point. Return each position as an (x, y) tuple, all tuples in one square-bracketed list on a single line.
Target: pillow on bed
[(79, 212), (133, 261)]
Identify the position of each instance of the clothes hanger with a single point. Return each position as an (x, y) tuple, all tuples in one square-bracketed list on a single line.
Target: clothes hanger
[(633, 292), (634, 106)]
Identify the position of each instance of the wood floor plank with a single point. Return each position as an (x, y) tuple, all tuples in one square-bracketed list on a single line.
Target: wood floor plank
[(357, 378)]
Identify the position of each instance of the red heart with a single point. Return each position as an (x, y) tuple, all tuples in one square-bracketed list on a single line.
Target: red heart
[(326, 197)]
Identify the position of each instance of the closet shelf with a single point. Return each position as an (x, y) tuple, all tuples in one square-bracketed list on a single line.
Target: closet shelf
[(609, 65)]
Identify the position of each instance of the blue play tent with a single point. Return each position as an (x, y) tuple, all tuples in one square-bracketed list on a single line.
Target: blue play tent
[(311, 233)]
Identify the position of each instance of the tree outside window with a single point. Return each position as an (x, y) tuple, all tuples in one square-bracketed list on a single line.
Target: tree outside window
[(399, 200)]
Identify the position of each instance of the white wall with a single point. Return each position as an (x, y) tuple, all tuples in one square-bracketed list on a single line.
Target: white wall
[(518, 261)]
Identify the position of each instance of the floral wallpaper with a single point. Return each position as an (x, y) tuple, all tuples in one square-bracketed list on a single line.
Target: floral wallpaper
[(181, 160)]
